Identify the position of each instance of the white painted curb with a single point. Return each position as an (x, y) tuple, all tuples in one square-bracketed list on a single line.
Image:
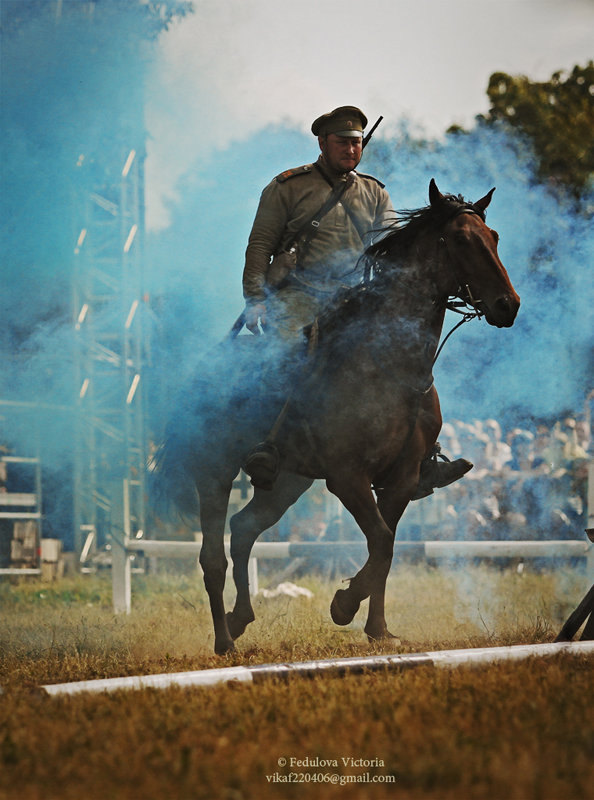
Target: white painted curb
[(335, 666)]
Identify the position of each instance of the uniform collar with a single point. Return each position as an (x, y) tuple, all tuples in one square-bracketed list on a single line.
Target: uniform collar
[(330, 175)]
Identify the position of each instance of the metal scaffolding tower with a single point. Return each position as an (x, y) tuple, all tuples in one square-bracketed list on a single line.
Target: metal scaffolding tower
[(104, 142), (110, 447)]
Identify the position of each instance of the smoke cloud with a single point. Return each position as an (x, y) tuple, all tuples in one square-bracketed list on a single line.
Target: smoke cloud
[(537, 368), (72, 88)]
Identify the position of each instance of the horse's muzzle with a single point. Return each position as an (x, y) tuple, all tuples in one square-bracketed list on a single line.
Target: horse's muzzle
[(503, 311)]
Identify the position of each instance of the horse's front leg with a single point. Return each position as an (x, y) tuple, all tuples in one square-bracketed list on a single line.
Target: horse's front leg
[(357, 497), (398, 486), (392, 500), (262, 512), (214, 499)]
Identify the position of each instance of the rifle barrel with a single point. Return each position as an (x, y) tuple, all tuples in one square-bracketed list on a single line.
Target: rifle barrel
[(368, 136)]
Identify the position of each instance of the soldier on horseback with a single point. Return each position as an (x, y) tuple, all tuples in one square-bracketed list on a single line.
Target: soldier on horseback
[(311, 227)]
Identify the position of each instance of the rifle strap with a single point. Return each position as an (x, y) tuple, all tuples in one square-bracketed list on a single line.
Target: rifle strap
[(356, 223), (347, 208), (309, 230)]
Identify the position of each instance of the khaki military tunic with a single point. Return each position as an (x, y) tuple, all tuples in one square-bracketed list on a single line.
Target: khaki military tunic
[(329, 261)]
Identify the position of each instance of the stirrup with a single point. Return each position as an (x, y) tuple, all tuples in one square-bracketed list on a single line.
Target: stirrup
[(435, 475), (263, 465)]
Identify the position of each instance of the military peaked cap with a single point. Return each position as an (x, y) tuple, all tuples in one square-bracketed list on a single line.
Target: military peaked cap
[(343, 121)]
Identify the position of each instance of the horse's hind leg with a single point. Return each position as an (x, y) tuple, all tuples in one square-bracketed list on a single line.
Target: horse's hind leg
[(264, 510), (214, 499)]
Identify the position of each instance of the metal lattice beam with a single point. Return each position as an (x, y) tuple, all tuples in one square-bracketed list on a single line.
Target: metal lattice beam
[(110, 447)]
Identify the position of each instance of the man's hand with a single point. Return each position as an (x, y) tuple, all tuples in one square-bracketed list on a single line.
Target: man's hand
[(254, 313)]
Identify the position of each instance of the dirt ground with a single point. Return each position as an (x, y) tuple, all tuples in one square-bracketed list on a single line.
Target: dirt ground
[(510, 731)]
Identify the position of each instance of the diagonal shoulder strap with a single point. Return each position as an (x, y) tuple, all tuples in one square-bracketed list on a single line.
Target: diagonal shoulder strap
[(356, 223), (351, 214), (307, 232)]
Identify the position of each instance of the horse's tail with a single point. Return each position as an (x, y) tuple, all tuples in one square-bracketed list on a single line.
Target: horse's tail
[(172, 491), (199, 425)]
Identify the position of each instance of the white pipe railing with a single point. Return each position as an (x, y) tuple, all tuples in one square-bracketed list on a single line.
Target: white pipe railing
[(552, 548), (122, 551)]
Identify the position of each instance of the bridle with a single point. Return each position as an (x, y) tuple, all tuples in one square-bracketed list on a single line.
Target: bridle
[(462, 301), (463, 293)]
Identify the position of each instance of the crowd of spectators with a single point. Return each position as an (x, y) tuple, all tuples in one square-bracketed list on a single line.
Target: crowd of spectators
[(528, 483)]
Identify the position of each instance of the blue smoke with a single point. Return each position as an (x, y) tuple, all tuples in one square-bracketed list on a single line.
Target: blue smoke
[(538, 368), (197, 263), (542, 365), (71, 94), (73, 88)]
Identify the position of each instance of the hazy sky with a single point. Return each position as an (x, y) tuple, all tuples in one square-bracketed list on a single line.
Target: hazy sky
[(235, 66)]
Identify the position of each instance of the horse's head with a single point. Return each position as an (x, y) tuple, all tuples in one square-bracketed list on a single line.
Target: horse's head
[(471, 267)]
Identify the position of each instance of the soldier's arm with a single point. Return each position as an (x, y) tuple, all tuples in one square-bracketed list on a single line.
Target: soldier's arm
[(264, 241)]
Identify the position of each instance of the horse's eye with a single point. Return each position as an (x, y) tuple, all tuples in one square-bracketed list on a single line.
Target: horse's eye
[(495, 235)]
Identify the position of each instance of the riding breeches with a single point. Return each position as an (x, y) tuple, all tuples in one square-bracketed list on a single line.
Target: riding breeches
[(292, 308)]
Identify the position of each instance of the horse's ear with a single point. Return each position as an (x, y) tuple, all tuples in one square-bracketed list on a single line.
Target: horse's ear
[(435, 196), (484, 201)]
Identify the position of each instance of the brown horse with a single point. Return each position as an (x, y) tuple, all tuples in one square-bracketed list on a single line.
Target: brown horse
[(364, 412)]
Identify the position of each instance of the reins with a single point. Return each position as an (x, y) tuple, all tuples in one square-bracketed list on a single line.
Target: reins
[(466, 305), (466, 317)]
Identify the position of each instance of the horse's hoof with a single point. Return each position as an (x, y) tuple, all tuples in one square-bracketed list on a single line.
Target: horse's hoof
[(341, 610), (223, 647), (381, 636), (237, 626)]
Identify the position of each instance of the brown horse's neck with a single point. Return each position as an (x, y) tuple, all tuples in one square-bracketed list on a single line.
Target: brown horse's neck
[(414, 312), (392, 325), (415, 325)]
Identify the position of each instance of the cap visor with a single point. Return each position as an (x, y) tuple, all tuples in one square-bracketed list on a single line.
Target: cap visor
[(349, 134)]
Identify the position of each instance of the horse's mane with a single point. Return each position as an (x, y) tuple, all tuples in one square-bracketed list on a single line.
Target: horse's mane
[(382, 261), (409, 223)]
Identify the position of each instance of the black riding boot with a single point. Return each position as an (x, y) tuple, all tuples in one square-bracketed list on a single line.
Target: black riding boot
[(263, 465), (435, 475)]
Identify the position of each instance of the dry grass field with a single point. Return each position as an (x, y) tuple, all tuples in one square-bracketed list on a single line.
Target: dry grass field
[(513, 731)]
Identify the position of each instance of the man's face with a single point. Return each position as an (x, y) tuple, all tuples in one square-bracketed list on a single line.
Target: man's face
[(342, 153)]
